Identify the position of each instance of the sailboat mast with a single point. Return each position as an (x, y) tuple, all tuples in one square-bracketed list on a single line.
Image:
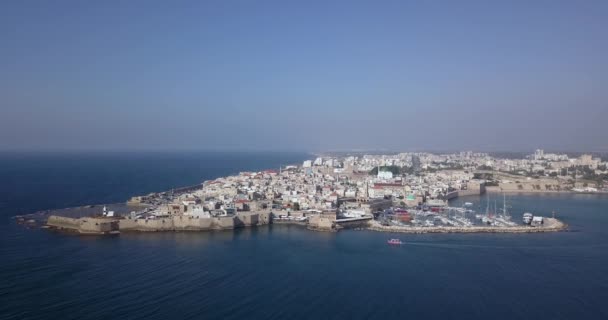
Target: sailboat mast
[(504, 205), (487, 204)]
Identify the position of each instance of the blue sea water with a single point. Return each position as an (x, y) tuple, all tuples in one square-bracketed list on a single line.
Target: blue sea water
[(279, 272)]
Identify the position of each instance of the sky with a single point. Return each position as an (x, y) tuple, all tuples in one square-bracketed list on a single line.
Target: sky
[(304, 75)]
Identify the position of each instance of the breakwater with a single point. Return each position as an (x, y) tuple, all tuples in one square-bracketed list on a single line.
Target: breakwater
[(550, 225)]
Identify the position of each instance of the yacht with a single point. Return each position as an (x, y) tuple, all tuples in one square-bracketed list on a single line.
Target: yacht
[(528, 218)]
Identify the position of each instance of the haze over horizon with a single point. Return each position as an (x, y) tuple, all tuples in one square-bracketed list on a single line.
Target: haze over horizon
[(313, 76)]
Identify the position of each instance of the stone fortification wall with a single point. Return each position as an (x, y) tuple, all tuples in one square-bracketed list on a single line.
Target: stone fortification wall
[(172, 223), (83, 225), (247, 219), (62, 222), (532, 186), (321, 223), (185, 223)]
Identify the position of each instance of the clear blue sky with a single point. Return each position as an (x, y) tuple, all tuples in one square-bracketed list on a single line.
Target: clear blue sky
[(307, 75)]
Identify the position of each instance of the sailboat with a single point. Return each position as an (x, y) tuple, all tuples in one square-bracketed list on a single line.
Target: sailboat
[(486, 219)]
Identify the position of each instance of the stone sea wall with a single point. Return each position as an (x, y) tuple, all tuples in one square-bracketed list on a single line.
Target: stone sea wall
[(86, 225), (172, 223)]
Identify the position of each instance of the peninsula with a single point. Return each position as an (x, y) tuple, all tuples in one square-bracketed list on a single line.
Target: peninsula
[(405, 192)]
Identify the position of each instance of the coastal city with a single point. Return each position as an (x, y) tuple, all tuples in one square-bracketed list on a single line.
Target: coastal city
[(404, 192), (304, 160)]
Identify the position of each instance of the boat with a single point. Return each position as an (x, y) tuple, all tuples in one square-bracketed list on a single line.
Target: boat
[(528, 218), (468, 204), (486, 220), (394, 241)]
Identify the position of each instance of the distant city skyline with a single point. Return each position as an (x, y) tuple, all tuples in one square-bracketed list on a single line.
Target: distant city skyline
[(315, 76)]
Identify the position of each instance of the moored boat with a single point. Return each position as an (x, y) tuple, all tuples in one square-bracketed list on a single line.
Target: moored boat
[(527, 218)]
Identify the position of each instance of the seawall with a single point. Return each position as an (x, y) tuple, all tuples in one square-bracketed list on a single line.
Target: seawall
[(86, 225), (188, 223), (550, 225), (92, 225)]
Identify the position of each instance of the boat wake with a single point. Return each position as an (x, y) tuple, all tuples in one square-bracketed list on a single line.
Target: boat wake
[(474, 246)]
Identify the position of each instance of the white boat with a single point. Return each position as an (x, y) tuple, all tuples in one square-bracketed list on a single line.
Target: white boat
[(486, 220), (463, 221), (528, 218)]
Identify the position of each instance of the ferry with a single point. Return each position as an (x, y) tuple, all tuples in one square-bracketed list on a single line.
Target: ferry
[(394, 241)]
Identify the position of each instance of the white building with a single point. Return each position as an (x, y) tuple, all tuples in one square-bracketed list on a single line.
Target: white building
[(385, 175), (197, 211)]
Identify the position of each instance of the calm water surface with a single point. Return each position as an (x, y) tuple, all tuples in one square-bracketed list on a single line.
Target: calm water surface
[(281, 271)]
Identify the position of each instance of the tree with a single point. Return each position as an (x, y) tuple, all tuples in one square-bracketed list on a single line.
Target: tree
[(394, 169), (407, 170)]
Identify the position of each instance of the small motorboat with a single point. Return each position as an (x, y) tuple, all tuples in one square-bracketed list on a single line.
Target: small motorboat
[(394, 241)]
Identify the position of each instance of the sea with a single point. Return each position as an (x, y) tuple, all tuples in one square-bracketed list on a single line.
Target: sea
[(279, 271)]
